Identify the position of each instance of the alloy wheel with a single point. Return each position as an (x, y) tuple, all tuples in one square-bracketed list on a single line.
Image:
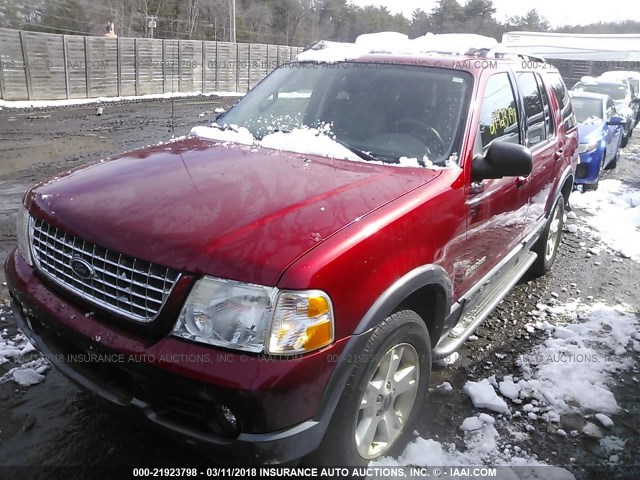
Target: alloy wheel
[(387, 401)]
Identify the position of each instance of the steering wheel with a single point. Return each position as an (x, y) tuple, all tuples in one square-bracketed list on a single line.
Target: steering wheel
[(422, 132)]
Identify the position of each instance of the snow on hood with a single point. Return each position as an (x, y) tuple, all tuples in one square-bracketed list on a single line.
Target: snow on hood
[(310, 141), (395, 43), (593, 120), (232, 134)]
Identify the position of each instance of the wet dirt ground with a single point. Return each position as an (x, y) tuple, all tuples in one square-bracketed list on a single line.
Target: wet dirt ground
[(56, 424)]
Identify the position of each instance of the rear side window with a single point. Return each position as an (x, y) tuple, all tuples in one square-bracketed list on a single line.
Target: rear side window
[(499, 115), (562, 94), (548, 118), (533, 108)]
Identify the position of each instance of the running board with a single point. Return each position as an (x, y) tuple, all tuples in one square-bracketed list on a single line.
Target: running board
[(471, 320)]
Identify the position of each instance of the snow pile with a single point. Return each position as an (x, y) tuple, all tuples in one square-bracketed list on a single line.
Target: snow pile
[(395, 43), (99, 100), (310, 141), (593, 120), (569, 373), (484, 396), (573, 367), (614, 214), (233, 134), (15, 351), (482, 447)]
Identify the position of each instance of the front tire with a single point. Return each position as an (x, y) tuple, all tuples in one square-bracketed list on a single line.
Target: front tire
[(614, 163), (547, 245), (625, 139), (385, 393)]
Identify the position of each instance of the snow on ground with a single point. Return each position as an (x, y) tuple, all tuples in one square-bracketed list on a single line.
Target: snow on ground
[(100, 100), (23, 369), (572, 368), (484, 396), (614, 215), (569, 373)]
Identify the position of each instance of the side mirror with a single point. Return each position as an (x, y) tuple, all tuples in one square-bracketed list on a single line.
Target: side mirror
[(502, 160), (616, 120)]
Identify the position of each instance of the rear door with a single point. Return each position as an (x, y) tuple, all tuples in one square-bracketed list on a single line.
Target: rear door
[(542, 139)]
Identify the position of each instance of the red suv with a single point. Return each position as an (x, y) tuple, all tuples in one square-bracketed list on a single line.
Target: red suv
[(270, 305)]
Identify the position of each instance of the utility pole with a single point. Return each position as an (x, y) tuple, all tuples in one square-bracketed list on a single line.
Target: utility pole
[(232, 21), (152, 23)]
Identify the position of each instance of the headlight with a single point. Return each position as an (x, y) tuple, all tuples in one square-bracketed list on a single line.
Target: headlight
[(24, 230), (587, 147), (256, 319), (227, 313)]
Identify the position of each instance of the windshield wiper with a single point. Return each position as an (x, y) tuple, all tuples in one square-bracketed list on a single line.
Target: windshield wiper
[(358, 152)]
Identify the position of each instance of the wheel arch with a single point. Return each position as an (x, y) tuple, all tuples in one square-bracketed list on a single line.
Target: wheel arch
[(427, 290), (565, 188)]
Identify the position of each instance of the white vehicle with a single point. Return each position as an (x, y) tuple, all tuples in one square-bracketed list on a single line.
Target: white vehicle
[(632, 77)]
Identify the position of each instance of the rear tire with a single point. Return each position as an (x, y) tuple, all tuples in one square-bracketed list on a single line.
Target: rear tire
[(385, 393), (547, 245)]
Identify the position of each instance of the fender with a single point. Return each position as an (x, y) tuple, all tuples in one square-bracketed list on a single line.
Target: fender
[(401, 289), (385, 304), (567, 172)]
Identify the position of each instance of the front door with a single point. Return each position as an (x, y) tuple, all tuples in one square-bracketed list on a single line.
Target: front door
[(496, 209)]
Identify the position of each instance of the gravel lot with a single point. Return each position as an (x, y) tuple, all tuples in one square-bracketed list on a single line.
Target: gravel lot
[(54, 423)]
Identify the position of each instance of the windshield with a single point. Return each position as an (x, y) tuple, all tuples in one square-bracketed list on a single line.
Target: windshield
[(586, 108), (615, 91), (381, 111)]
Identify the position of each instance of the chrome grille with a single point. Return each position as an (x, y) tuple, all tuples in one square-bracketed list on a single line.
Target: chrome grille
[(134, 288)]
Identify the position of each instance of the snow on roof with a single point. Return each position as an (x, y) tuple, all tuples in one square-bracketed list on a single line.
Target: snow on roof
[(625, 47), (395, 43)]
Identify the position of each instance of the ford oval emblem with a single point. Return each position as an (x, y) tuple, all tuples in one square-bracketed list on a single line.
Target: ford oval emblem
[(82, 268)]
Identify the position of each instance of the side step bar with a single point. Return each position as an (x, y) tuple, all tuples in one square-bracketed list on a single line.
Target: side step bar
[(471, 320)]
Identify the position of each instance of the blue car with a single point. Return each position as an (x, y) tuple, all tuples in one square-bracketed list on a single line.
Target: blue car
[(601, 131)]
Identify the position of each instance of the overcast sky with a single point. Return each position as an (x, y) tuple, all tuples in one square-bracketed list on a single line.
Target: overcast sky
[(558, 12)]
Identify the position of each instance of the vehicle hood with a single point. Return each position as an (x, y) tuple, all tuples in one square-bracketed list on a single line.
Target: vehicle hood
[(590, 132), (227, 210)]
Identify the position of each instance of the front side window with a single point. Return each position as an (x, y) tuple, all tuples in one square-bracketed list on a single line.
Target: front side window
[(499, 115), (384, 111), (533, 108)]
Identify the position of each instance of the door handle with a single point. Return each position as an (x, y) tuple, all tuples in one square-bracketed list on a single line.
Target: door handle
[(521, 182), (559, 154)]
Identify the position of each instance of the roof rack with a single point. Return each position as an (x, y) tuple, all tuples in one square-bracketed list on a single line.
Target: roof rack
[(495, 53)]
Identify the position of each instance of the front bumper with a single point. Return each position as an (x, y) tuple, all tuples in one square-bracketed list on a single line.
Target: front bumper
[(283, 407), (588, 169)]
